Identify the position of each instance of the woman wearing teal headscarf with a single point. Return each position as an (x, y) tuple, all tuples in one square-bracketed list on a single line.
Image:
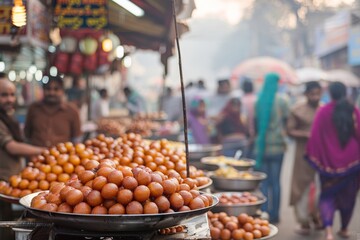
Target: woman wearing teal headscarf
[(271, 111)]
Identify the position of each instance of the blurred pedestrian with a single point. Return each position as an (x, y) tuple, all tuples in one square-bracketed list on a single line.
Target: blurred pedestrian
[(271, 113), (52, 120), (220, 99), (171, 105), (12, 146), (135, 102), (231, 128), (303, 178), (101, 107), (248, 100), (202, 91), (333, 150), (201, 84), (190, 93), (198, 123)]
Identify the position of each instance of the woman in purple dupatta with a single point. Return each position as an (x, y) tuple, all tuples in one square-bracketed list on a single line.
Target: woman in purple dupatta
[(334, 151), (198, 123)]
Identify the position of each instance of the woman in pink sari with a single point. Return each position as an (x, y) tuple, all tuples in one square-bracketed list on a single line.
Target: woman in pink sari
[(334, 151)]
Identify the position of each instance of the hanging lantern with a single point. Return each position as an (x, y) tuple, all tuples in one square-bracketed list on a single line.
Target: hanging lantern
[(62, 62), (114, 39), (68, 44), (90, 63), (76, 65), (109, 42), (107, 45), (18, 14), (88, 46), (102, 57)]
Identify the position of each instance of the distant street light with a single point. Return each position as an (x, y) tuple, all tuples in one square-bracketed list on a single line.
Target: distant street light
[(131, 7)]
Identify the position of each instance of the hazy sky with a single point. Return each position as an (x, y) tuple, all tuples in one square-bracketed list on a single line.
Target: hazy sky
[(230, 11), (211, 22)]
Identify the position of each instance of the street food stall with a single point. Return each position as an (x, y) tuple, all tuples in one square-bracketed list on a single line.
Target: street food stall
[(107, 187), (126, 186)]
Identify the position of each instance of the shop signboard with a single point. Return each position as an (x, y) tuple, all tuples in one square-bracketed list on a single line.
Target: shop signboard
[(81, 14), (5, 19), (354, 46), (333, 35)]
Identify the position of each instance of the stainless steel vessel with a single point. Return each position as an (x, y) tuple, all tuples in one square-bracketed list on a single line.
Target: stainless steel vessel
[(119, 222), (236, 209), (238, 184)]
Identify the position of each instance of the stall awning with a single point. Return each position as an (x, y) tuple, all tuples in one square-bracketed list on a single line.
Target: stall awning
[(154, 30)]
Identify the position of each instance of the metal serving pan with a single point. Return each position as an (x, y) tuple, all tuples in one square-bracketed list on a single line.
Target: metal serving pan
[(116, 222), (211, 164), (238, 184), (198, 151), (238, 208), (9, 199)]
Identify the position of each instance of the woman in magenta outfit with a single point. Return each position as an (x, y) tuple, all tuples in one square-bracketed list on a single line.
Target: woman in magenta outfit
[(334, 151)]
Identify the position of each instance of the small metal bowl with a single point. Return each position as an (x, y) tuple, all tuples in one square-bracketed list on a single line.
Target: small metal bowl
[(198, 151), (244, 164), (238, 184), (236, 209)]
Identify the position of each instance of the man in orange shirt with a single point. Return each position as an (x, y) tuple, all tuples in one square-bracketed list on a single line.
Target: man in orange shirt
[(52, 120)]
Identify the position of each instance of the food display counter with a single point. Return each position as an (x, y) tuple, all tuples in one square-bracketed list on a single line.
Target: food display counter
[(109, 187)]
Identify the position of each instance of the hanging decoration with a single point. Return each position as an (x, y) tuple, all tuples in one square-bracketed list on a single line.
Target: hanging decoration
[(18, 14), (107, 45), (88, 46)]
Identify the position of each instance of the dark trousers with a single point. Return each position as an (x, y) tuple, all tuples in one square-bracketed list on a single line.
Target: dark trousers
[(271, 165), (6, 214)]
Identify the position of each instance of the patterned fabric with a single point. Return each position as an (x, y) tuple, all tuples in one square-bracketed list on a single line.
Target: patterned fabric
[(342, 198), (324, 150)]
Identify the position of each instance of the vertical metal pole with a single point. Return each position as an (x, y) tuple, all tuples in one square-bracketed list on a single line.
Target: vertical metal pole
[(182, 95), (88, 96)]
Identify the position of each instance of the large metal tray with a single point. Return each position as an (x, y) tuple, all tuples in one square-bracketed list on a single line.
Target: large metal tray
[(9, 199), (238, 184), (116, 222), (238, 208)]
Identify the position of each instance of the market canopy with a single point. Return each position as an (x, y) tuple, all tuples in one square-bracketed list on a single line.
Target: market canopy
[(310, 74), (346, 77), (256, 69), (152, 29)]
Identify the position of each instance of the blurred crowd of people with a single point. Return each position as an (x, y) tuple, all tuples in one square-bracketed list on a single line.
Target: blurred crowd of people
[(323, 122), (326, 174)]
